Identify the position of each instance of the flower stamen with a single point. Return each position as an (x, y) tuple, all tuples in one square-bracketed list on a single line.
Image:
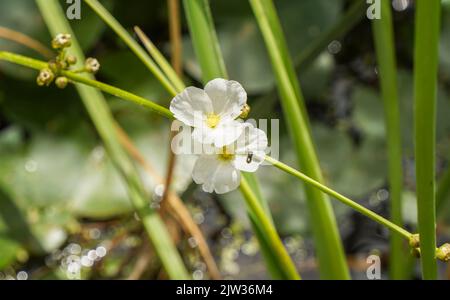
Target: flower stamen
[(226, 154), (212, 120)]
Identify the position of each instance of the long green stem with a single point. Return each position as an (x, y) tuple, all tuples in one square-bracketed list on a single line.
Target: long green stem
[(105, 125), (255, 208), (329, 247), (425, 94), (347, 201), (132, 44), (383, 33), (160, 60), (204, 39)]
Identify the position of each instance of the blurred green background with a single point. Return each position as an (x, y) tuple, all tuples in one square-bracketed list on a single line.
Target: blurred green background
[(62, 205)]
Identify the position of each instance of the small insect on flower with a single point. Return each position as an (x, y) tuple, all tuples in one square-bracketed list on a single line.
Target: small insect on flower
[(61, 41), (219, 171), (212, 111), (250, 158)]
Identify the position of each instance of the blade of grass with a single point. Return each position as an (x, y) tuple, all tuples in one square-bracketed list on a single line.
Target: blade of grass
[(329, 247), (25, 40), (105, 125), (266, 227), (165, 66), (176, 52), (383, 33), (205, 42), (132, 44), (207, 49), (425, 94)]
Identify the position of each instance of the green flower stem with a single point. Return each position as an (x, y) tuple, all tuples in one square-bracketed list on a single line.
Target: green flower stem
[(79, 78), (347, 201), (105, 125), (383, 33), (204, 38), (328, 245), (255, 207), (132, 44), (425, 94)]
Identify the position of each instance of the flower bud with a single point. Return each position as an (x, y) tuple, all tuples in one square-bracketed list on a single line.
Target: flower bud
[(61, 82), (92, 65), (61, 41), (443, 253), (53, 66), (245, 111), (71, 60), (45, 77)]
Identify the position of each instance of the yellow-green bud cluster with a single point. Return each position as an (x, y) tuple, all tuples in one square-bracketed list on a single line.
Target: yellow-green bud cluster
[(63, 62)]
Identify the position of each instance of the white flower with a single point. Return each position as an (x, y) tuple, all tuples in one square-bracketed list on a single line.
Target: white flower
[(220, 171), (212, 111)]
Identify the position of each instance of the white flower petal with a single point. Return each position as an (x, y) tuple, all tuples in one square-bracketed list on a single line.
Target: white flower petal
[(251, 140), (228, 97), (191, 105), (215, 175), (226, 178), (204, 169), (222, 135)]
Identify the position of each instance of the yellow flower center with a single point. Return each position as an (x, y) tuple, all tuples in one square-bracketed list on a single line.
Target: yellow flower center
[(226, 154), (212, 120)]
